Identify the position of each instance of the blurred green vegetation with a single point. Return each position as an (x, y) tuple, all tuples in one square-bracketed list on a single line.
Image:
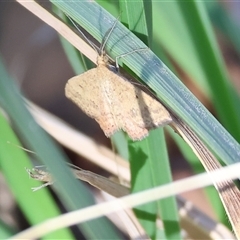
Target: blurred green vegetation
[(179, 32)]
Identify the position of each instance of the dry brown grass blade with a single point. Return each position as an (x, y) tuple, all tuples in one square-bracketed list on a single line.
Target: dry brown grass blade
[(228, 192), (65, 134), (60, 27), (72, 139), (195, 223)]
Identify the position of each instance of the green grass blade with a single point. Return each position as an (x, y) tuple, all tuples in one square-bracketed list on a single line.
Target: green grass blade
[(197, 167), (179, 37), (150, 168), (161, 172), (136, 18), (223, 95), (71, 192), (120, 143), (145, 158), (157, 76), (223, 21), (13, 161), (111, 6), (5, 231), (141, 179), (198, 54)]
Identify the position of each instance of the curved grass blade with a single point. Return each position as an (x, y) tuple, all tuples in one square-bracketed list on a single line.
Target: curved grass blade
[(72, 193), (157, 76), (198, 54), (150, 154), (13, 161)]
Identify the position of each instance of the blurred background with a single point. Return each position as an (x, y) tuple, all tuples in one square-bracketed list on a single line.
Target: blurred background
[(35, 58)]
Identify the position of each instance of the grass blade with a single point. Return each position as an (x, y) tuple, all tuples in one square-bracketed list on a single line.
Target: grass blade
[(157, 76), (72, 193), (13, 161)]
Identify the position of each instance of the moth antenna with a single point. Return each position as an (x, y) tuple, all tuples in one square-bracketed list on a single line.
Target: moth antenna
[(106, 36), (76, 26), (25, 149)]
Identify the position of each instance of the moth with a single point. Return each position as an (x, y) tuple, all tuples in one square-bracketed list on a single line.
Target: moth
[(113, 101)]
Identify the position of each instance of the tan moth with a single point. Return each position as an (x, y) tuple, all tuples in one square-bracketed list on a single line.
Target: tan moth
[(114, 102)]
